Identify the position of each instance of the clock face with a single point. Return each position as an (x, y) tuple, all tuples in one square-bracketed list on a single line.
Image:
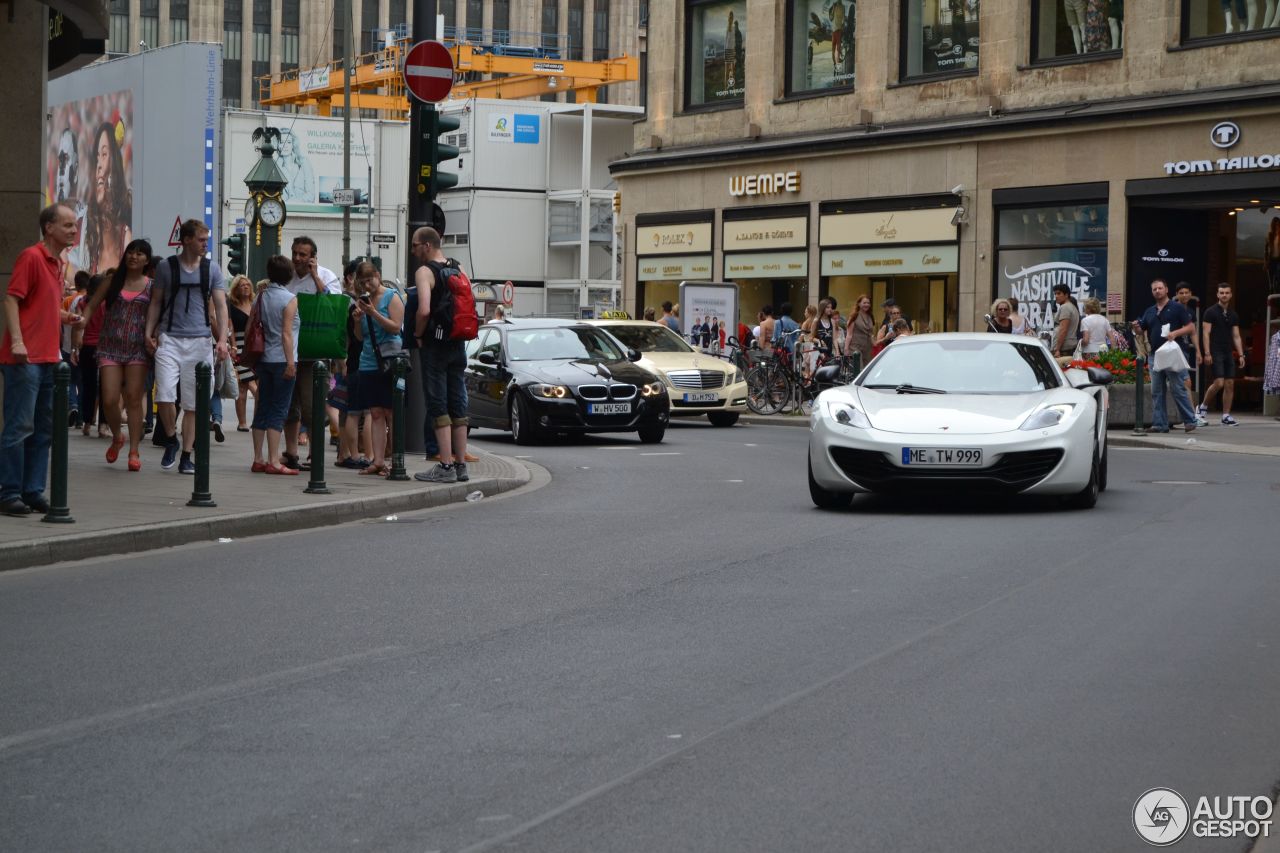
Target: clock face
[(272, 212), (249, 210)]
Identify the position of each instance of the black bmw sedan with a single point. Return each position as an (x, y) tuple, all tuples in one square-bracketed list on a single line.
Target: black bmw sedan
[(541, 377)]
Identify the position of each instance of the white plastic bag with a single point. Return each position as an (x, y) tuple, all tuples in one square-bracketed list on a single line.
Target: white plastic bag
[(1169, 357)]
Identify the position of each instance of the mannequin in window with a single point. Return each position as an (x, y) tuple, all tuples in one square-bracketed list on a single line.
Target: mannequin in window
[(1253, 14), (1235, 20), (836, 14), (1075, 19), (1271, 255), (959, 30), (1272, 17), (1115, 17), (1097, 35), (730, 57)]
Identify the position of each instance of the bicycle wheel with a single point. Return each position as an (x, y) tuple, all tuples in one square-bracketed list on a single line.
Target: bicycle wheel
[(767, 389)]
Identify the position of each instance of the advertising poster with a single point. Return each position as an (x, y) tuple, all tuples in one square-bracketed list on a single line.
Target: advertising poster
[(89, 165), (952, 44), (720, 45), (704, 308), (310, 157), (1030, 274), (829, 25)]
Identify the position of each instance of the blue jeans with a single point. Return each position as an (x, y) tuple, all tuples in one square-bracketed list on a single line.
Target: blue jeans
[(28, 430), (1176, 380), (215, 408), (275, 393), (444, 364), (429, 443)]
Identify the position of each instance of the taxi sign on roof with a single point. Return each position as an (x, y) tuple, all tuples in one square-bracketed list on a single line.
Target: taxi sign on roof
[(614, 315)]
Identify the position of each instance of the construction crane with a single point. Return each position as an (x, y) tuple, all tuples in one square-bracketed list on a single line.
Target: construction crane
[(377, 83)]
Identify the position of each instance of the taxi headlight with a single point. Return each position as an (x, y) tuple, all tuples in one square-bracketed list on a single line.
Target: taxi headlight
[(550, 392), (846, 414), (652, 389), (738, 376), (1049, 416)]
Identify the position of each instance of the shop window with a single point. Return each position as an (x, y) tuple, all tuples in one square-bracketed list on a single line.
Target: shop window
[(179, 24), (820, 46), (118, 38), (1055, 244), (715, 66), (939, 37), (1218, 18), (1065, 29)]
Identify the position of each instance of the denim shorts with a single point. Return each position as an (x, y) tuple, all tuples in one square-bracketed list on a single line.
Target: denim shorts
[(444, 364)]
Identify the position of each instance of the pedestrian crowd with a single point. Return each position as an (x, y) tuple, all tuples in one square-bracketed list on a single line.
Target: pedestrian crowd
[(135, 333)]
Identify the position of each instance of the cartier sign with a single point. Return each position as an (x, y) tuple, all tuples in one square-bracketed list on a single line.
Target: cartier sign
[(765, 183)]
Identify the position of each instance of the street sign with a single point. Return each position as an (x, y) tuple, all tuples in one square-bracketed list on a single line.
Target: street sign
[(344, 197), (384, 238), (508, 293), (428, 71)]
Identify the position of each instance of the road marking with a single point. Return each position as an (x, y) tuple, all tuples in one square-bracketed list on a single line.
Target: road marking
[(750, 445), (615, 448), (735, 481), (86, 726), (666, 453)]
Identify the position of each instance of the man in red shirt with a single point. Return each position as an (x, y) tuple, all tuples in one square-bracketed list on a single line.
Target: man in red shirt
[(29, 351)]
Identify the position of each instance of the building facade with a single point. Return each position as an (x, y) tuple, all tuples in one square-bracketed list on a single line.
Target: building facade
[(946, 152), (262, 37)]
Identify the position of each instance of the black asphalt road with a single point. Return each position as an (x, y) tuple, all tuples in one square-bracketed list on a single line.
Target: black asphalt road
[(663, 648)]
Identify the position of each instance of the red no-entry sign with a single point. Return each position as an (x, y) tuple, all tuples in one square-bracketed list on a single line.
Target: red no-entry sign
[(428, 71)]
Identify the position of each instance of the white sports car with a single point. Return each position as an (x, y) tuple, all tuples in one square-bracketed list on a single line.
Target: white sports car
[(968, 412)]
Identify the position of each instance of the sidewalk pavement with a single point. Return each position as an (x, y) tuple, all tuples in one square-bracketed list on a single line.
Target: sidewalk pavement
[(118, 511), (1255, 435)]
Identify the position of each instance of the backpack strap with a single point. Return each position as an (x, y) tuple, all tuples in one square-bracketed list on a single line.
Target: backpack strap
[(171, 295), (205, 276)]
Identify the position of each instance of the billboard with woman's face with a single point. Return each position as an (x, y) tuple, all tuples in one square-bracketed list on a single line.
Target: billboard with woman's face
[(89, 165)]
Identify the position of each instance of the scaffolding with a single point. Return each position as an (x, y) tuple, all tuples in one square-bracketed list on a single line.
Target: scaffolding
[(486, 65)]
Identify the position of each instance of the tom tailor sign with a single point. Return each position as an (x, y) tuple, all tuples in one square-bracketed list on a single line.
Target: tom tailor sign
[(1222, 164)]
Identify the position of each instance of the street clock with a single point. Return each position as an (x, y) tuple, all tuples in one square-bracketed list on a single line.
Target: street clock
[(265, 211)]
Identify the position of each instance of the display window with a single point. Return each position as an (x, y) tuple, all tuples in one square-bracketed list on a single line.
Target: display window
[(756, 293), (930, 302), (1076, 29), (1217, 18), (1040, 247), (715, 35), (821, 46), (939, 37)]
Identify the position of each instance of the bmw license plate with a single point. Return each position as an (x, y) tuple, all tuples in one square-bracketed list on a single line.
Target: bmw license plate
[(704, 397), (963, 456), (608, 408)]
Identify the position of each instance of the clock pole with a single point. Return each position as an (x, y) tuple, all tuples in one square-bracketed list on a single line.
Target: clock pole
[(266, 213)]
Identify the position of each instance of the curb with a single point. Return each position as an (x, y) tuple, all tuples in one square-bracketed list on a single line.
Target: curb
[(28, 553)]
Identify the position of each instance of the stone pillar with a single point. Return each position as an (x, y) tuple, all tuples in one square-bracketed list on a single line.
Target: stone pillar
[(166, 32), (277, 40)]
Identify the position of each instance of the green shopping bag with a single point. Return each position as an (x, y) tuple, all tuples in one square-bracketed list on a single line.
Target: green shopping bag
[(324, 325)]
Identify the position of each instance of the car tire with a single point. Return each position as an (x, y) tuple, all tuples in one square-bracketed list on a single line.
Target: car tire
[(652, 434), (722, 419), (523, 430), (1087, 497), (824, 499)]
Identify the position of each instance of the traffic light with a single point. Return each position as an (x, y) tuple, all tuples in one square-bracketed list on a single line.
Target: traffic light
[(235, 254), (436, 126), (617, 202)]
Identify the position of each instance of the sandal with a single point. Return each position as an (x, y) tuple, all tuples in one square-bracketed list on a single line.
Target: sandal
[(375, 469), (113, 452), (135, 461), (258, 467), (280, 469)]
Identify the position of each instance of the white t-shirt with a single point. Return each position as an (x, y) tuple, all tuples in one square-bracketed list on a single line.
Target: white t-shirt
[(307, 284), (1097, 327)]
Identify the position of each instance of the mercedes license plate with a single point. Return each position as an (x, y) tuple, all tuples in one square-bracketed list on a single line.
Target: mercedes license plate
[(965, 456), (608, 408), (703, 397)]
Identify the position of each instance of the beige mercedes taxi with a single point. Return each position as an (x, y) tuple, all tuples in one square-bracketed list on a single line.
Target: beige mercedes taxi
[(697, 383)]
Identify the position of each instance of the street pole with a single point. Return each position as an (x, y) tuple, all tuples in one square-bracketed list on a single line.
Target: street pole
[(424, 29), (348, 48)]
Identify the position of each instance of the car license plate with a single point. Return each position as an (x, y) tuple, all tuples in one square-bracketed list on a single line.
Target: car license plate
[(608, 408), (941, 456), (704, 397)]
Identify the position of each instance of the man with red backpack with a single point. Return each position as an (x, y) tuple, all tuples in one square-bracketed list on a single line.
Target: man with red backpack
[(445, 321)]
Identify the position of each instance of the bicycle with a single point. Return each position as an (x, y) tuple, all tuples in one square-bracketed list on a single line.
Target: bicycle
[(772, 382)]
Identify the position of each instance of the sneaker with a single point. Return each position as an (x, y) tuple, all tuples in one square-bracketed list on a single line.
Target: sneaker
[(460, 469), (186, 466), (439, 474), (1200, 421), (1229, 421), (1203, 411), (218, 435), (14, 507), (1189, 427), (170, 457)]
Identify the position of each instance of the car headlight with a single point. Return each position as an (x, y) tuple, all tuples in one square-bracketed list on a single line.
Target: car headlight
[(551, 392), (1047, 417), (846, 414), (738, 376), (652, 389)]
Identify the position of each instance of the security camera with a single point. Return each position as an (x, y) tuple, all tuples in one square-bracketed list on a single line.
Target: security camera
[(959, 216), (958, 189)]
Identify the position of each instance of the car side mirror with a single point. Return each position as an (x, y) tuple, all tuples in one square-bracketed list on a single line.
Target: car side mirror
[(486, 358), (1100, 376), (633, 354)]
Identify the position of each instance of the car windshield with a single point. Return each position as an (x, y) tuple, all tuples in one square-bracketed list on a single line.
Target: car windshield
[(650, 338), (962, 367), (563, 343)]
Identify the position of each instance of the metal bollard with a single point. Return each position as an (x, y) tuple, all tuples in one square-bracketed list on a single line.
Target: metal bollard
[(397, 422), (319, 428), (857, 363), (204, 381), (59, 512), (1139, 397)]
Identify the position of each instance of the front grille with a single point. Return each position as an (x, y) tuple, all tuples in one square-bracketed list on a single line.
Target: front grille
[(702, 380), (622, 392), (606, 392), (1015, 472)]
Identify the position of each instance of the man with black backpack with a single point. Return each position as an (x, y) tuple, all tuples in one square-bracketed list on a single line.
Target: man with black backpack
[(181, 334), (444, 322)]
